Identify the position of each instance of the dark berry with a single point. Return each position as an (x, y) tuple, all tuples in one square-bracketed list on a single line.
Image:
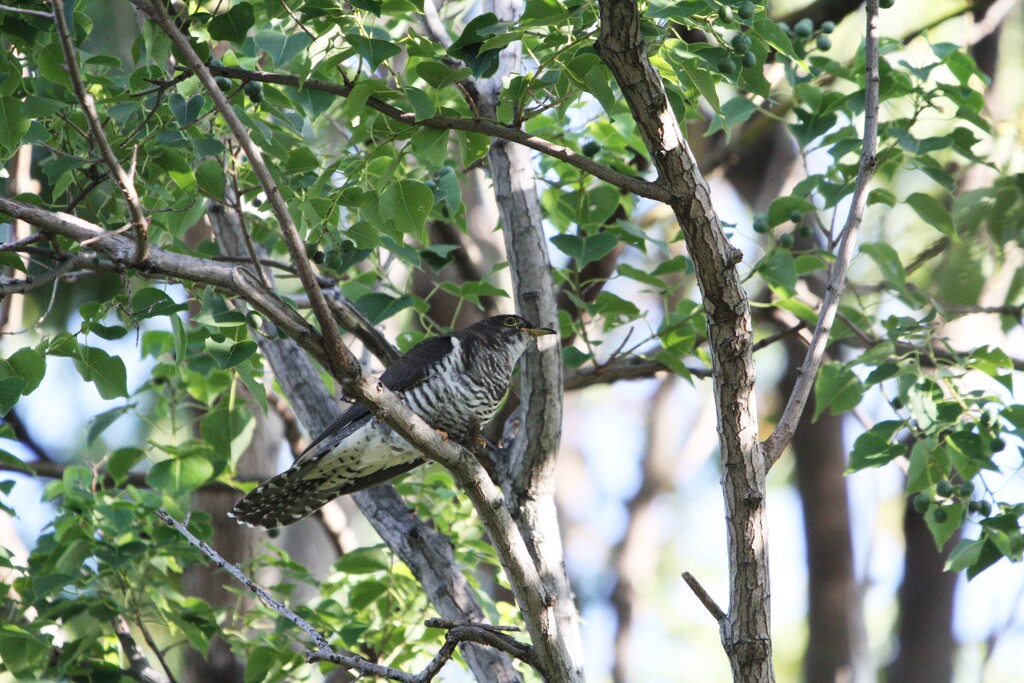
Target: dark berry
[(828, 26), (725, 15), (921, 503), (940, 515), (944, 488), (749, 59), (727, 66), (740, 43), (997, 445), (804, 28), (786, 240), (746, 10), (761, 222), (824, 43), (591, 148), (223, 82)]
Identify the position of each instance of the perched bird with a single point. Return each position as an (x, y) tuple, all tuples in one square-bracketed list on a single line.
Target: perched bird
[(454, 381)]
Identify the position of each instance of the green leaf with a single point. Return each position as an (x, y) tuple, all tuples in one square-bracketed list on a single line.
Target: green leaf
[(105, 371), (965, 554), (229, 354), (151, 302), (186, 112), (703, 81), (874, 447), (12, 126), (210, 179), (233, 24), (779, 270), (943, 531), (365, 592), (597, 81), (838, 388), (407, 204), (438, 75), (29, 365), (100, 423), (280, 47), (378, 306), (469, 46), (180, 475), (363, 561), (888, 262), (372, 50), (122, 461), (10, 391), (737, 110), (422, 104), (780, 209), (14, 462), (932, 212), (587, 248)]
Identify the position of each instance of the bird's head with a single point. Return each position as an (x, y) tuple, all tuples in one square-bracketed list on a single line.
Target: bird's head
[(512, 326)]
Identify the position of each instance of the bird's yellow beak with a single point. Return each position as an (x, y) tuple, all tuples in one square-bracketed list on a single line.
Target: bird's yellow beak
[(538, 331)]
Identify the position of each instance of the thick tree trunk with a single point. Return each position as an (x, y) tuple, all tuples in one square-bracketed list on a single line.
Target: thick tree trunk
[(924, 633)]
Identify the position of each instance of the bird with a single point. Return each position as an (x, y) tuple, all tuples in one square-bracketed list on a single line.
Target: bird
[(454, 381)]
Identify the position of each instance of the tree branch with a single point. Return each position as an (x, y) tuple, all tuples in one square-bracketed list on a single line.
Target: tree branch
[(123, 181), (139, 667), (472, 633), (637, 186), (783, 433), (339, 359)]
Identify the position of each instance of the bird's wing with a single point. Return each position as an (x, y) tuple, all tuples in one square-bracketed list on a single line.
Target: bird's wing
[(406, 372)]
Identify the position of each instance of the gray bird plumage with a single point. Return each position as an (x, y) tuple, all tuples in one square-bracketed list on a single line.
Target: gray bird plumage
[(454, 381)]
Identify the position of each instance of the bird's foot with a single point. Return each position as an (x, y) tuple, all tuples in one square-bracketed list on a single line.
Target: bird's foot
[(443, 434)]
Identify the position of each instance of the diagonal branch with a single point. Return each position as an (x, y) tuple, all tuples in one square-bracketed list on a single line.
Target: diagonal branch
[(339, 359), (484, 634), (122, 179), (783, 433)]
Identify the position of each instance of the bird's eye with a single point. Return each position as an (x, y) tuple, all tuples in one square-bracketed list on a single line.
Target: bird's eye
[(511, 322)]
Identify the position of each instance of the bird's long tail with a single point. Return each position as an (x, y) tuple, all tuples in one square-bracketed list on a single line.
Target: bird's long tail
[(282, 500), (293, 494)]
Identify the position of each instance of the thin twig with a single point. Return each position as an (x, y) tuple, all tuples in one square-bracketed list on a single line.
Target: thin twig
[(99, 137), (19, 10), (477, 633), (638, 186), (24, 242), (783, 433), (254, 587)]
